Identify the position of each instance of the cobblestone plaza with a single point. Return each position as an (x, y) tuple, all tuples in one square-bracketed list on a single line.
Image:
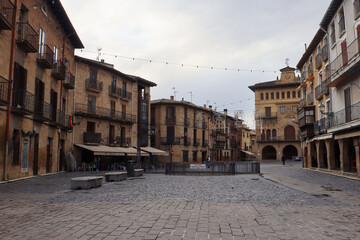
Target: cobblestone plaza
[(284, 203)]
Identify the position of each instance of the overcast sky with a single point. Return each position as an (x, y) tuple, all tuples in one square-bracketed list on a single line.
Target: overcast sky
[(238, 34)]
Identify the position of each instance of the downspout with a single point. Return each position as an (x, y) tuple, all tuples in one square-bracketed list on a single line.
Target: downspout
[(12, 54), (74, 96)]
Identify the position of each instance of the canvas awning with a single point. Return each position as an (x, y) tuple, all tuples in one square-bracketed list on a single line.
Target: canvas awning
[(247, 152), (322, 137), (154, 151), (102, 150)]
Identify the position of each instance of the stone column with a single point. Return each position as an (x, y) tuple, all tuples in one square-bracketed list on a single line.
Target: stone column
[(344, 155), (320, 161), (330, 153), (357, 154)]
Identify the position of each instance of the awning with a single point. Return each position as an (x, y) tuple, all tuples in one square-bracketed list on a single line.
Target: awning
[(247, 152), (102, 150), (322, 137), (347, 135), (154, 151)]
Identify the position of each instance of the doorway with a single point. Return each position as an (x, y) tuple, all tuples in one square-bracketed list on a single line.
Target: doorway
[(36, 155)]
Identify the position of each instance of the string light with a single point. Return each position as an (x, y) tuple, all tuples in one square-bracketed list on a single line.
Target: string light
[(180, 64)]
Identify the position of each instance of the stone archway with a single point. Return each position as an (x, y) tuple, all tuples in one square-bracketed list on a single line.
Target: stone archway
[(313, 155), (289, 151), (269, 153)]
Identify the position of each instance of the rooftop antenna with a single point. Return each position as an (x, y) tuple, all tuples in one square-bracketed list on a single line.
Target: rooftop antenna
[(99, 54), (174, 92), (191, 96)]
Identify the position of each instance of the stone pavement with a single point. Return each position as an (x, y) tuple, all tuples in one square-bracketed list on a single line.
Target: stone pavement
[(182, 207)]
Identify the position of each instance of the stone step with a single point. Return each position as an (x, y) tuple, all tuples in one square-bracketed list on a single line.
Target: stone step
[(115, 176), (86, 182)]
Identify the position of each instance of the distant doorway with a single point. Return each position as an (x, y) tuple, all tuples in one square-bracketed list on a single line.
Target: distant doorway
[(290, 151), (269, 153)]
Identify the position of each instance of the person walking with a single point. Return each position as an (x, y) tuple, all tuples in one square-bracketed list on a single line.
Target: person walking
[(283, 159)]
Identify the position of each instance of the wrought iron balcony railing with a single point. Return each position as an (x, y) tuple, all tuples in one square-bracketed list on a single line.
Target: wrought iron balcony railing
[(186, 121), (4, 91), (114, 91), (45, 57), (318, 60), (27, 38), (170, 119), (93, 85), (59, 70), (125, 95), (187, 141), (196, 142), (122, 141), (345, 115), (205, 143), (104, 113), (170, 141), (325, 52), (271, 115), (69, 82), (322, 89), (321, 125), (234, 143), (310, 98), (23, 101), (264, 138), (92, 138), (7, 11), (303, 76), (310, 69)]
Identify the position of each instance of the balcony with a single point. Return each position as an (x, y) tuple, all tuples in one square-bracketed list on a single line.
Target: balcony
[(197, 124), (104, 113), (42, 111), (59, 70), (187, 141), (318, 60), (27, 38), (125, 95), (344, 65), (93, 85), (7, 11), (321, 125), (264, 138), (303, 76), (234, 144), (322, 89), (196, 142), (325, 53), (271, 115), (302, 102), (205, 143), (91, 138), (310, 98), (204, 125), (69, 82), (306, 116), (345, 115), (170, 141), (310, 69), (170, 119), (114, 91), (122, 141), (45, 57), (23, 102), (4, 91)]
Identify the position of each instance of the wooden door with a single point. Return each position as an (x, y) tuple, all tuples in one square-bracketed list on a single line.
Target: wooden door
[(347, 105), (289, 133), (36, 155), (170, 134), (48, 155), (344, 53), (268, 111)]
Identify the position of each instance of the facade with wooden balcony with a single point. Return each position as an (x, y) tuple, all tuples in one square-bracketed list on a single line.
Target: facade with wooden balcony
[(111, 104), (38, 103), (276, 105)]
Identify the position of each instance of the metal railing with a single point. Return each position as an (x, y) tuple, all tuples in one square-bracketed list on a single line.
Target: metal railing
[(126, 95), (205, 143), (303, 76), (264, 138), (234, 143), (187, 141), (27, 38), (310, 68), (321, 125), (170, 141), (302, 102), (93, 85), (59, 70), (310, 97), (7, 11), (122, 141), (196, 142), (345, 115), (213, 168), (114, 91), (4, 91), (186, 121), (89, 137), (204, 124), (318, 60), (325, 52), (170, 119), (69, 82), (104, 113), (268, 116), (322, 89), (45, 57), (23, 101)]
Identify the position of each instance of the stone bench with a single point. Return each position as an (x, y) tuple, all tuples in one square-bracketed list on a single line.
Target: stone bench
[(138, 172), (86, 182), (115, 176)]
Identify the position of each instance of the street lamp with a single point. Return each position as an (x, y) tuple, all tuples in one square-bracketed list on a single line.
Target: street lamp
[(322, 108)]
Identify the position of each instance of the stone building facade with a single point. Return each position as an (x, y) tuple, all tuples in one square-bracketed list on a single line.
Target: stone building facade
[(111, 109), (276, 104), (334, 145), (37, 42)]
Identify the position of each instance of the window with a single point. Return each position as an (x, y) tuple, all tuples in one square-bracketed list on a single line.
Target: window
[(90, 127), (288, 94), (92, 104), (332, 34), (299, 94), (341, 18), (320, 78), (294, 94), (283, 95), (185, 156), (356, 9), (113, 82), (268, 111), (194, 156), (267, 96), (272, 95), (294, 109), (56, 54), (277, 95), (93, 75), (124, 89), (123, 111), (261, 96), (144, 111), (42, 42), (24, 159), (112, 108), (282, 109)]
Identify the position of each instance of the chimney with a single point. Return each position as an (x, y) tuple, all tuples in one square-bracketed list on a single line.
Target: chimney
[(210, 107), (102, 61), (204, 105), (172, 98), (225, 111)]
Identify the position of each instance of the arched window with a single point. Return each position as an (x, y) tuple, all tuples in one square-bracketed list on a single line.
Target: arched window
[(268, 134), (261, 96), (277, 95), (289, 132), (294, 94), (288, 94), (274, 134), (272, 95), (267, 96), (282, 94), (299, 94)]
